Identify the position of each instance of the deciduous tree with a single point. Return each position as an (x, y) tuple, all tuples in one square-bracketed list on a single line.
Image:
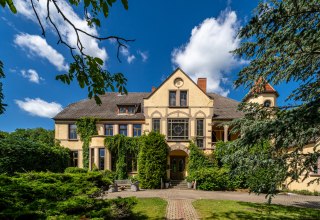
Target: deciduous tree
[(88, 70)]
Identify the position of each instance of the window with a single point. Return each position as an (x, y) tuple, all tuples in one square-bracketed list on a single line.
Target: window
[(267, 103), (172, 98), (217, 135), (137, 130), (122, 110), (108, 130), (131, 109), (127, 109), (131, 163), (92, 158), (73, 132), (200, 133), (156, 124), (123, 130), (74, 158), (101, 158), (183, 98), (178, 129)]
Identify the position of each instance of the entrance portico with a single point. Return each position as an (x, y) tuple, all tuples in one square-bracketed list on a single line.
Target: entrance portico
[(177, 161)]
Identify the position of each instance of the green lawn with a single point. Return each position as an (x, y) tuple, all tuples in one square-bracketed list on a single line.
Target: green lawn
[(150, 208), (219, 209)]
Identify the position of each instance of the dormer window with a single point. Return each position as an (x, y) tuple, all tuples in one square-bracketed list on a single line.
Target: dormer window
[(127, 109), (131, 109), (122, 110)]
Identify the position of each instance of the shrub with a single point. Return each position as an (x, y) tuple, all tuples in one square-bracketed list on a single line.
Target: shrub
[(213, 179), (152, 162), (197, 161), (23, 155), (59, 196), (75, 170)]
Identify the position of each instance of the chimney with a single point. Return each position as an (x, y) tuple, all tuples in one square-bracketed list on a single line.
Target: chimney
[(202, 83), (153, 89)]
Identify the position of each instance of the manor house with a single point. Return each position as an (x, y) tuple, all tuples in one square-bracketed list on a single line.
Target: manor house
[(179, 108)]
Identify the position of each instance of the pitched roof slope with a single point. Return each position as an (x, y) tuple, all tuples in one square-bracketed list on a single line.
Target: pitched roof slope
[(260, 86), (107, 110), (225, 108)]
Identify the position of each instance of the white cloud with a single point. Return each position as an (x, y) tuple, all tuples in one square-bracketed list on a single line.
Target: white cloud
[(38, 46), (207, 54), (144, 55), (32, 75), (39, 107), (126, 53), (131, 58), (91, 45)]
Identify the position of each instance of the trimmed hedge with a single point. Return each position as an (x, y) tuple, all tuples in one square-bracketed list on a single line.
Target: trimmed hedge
[(22, 156), (152, 162)]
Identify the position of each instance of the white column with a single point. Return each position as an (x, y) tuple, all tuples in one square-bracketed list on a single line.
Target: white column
[(96, 157), (130, 130), (107, 160), (226, 129), (115, 129)]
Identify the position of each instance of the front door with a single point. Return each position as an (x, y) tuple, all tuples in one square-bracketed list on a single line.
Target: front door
[(177, 167)]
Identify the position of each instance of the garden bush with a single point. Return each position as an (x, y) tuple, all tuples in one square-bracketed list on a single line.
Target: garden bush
[(45, 195), (75, 170), (152, 162), (213, 178), (23, 155)]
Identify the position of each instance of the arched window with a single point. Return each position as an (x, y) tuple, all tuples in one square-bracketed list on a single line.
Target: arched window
[(267, 103)]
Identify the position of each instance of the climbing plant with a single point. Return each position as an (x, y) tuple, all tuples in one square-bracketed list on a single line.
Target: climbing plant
[(197, 160), (86, 127), (120, 146)]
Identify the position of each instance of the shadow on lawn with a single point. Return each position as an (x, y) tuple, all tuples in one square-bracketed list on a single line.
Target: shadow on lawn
[(142, 216), (309, 204), (264, 211)]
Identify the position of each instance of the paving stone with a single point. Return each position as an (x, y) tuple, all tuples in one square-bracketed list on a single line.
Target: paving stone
[(181, 209)]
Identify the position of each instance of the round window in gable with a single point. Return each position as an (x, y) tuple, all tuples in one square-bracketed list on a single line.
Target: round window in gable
[(178, 82), (267, 103)]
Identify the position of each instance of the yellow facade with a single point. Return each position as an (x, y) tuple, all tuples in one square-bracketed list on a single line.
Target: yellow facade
[(199, 105)]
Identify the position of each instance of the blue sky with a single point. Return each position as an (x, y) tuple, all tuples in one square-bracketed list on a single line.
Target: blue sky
[(193, 35)]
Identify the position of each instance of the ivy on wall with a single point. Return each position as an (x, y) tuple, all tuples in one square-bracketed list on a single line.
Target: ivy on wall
[(120, 146), (197, 160), (86, 127)]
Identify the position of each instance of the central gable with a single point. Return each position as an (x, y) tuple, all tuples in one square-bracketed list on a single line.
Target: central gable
[(180, 83)]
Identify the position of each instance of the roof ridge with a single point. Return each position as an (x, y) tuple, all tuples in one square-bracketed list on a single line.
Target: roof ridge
[(223, 96)]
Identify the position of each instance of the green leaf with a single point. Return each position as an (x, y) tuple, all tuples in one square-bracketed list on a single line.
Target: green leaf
[(98, 60), (86, 3), (3, 3), (125, 4), (11, 6), (105, 9)]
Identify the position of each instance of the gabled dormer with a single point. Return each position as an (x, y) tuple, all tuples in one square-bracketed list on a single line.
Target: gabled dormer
[(262, 93)]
